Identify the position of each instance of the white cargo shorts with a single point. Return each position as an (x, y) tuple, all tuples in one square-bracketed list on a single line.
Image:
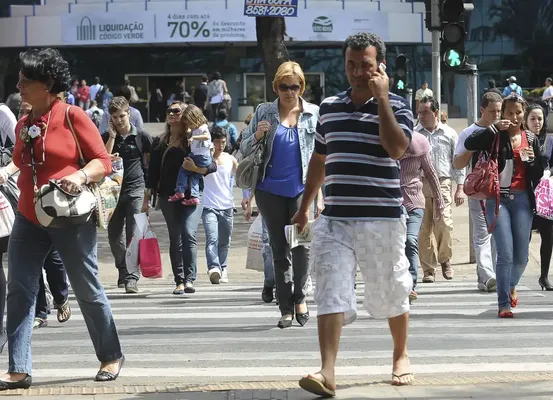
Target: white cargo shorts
[(378, 247)]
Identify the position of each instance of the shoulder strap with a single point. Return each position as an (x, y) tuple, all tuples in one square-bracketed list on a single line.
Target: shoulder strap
[(82, 161)]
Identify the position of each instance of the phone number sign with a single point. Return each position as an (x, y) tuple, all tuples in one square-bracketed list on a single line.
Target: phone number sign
[(271, 8)]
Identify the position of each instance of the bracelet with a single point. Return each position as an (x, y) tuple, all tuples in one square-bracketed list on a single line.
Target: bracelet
[(86, 177)]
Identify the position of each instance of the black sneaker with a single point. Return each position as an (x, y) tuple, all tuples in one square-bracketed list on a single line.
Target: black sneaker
[(121, 283), (131, 286), (267, 294)]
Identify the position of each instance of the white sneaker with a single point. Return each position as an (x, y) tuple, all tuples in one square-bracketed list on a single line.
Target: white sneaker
[(224, 276), (214, 275)]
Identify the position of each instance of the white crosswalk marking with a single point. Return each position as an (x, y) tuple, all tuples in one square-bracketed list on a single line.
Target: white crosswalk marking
[(226, 333)]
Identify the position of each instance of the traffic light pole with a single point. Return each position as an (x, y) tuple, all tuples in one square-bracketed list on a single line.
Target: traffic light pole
[(436, 62), (472, 117)]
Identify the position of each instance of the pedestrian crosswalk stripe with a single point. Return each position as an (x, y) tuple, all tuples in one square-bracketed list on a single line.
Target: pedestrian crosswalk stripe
[(225, 332)]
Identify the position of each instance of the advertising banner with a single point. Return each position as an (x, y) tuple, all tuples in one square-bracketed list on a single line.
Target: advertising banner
[(210, 26), (108, 28), (271, 8), (336, 26)]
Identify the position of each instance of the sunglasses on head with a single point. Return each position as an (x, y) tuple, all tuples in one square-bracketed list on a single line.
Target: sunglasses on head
[(284, 88), (171, 111)]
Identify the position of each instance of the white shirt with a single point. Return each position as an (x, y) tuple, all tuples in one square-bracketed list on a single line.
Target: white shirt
[(94, 89), (548, 93), (94, 109), (443, 143), (7, 124), (218, 186), (201, 147), (423, 93), (465, 133)]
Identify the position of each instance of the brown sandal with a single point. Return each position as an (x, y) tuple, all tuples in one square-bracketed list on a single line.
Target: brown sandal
[(316, 386), (64, 312)]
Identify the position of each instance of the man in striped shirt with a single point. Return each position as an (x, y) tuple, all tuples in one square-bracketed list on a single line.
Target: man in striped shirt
[(360, 136)]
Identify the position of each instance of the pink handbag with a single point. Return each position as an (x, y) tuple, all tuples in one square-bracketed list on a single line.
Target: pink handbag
[(150, 258), (544, 197)]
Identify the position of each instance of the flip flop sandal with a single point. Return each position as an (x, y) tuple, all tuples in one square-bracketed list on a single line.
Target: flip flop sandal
[(398, 377), (64, 312), (316, 386), (179, 289)]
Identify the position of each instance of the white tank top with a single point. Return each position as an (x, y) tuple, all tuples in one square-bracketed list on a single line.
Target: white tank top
[(218, 187)]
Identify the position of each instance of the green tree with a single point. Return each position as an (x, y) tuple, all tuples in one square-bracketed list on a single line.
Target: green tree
[(529, 23), (272, 49)]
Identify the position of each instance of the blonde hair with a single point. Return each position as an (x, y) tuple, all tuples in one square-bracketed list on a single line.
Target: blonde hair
[(167, 133), (193, 117), (289, 69)]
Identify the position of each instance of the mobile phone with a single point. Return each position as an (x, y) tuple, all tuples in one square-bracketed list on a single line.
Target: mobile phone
[(383, 66)]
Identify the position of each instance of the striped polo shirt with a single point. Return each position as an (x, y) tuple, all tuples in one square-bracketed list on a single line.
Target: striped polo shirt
[(362, 182)]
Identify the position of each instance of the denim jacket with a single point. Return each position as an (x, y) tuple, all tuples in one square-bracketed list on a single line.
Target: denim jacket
[(307, 124)]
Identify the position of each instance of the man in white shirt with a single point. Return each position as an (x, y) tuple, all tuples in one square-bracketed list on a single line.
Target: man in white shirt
[(548, 94), (484, 246), (424, 91), (95, 89), (443, 141), (7, 125)]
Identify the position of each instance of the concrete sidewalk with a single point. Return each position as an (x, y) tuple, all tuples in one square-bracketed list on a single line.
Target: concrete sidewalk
[(539, 390)]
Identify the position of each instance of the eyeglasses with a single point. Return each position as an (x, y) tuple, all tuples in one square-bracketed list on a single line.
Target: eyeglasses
[(284, 88), (171, 111)]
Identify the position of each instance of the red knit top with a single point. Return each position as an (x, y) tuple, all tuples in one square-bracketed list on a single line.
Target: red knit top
[(61, 157)]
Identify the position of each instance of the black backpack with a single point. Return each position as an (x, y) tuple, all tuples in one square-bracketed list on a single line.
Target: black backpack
[(96, 118)]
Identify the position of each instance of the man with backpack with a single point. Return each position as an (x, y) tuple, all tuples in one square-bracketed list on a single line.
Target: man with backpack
[(95, 113), (230, 129), (512, 87)]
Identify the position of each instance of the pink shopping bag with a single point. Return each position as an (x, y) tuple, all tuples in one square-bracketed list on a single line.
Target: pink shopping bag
[(544, 197), (150, 258)]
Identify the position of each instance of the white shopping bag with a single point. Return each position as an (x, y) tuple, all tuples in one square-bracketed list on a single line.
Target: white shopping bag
[(7, 217), (254, 259), (141, 231)]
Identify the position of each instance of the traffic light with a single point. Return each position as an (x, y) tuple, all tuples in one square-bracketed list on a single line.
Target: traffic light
[(452, 47), (400, 78)]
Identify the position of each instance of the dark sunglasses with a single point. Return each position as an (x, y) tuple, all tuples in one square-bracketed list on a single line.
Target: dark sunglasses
[(171, 111), (284, 88)]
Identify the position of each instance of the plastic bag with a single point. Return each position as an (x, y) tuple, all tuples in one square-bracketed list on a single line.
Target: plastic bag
[(132, 255), (544, 196), (254, 259), (7, 217)]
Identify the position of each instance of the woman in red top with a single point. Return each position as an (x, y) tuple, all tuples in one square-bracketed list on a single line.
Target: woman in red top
[(43, 74), (83, 95)]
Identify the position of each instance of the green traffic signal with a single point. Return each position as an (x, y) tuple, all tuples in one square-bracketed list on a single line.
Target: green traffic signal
[(452, 58), (400, 85)]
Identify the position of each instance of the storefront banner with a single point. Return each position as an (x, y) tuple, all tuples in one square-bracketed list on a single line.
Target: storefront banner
[(271, 8), (336, 26), (108, 28), (213, 26), (210, 26)]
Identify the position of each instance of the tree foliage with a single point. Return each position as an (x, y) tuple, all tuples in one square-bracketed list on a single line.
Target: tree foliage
[(272, 49)]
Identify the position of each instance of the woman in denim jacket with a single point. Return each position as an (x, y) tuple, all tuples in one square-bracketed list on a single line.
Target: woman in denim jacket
[(289, 125)]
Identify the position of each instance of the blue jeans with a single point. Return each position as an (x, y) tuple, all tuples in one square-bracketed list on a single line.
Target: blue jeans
[(182, 224), (191, 180), (267, 254), (28, 248), (412, 243), (57, 280), (512, 237), (218, 230)]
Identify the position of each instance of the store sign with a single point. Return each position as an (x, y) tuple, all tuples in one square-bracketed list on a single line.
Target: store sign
[(213, 26), (227, 26), (108, 28), (271, 8), (336, 26)]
